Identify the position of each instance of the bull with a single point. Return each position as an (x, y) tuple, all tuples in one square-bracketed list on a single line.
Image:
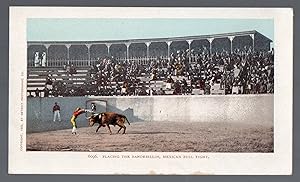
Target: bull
[(108, 118)]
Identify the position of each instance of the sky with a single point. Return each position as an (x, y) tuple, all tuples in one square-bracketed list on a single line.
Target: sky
[(62, 29)]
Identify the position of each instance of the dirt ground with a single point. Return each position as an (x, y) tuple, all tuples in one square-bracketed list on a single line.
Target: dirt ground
[(159, 137)]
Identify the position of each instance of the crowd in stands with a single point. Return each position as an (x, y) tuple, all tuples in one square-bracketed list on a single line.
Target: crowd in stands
[(240, 72)]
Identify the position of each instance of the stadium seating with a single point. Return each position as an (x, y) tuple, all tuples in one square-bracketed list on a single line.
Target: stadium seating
[(195, 75)]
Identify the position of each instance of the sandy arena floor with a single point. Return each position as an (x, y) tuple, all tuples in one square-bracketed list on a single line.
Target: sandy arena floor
[(159, 137)]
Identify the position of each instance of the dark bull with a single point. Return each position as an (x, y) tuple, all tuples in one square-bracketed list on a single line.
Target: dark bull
[(108, 118)]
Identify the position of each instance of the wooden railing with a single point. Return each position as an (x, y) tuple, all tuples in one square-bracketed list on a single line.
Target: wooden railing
[(61, 63), (86, 63)]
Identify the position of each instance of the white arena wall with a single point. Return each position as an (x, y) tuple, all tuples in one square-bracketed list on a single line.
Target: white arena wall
[(202, 108)]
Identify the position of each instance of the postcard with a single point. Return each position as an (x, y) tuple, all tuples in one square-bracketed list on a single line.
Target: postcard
[(155, 91)]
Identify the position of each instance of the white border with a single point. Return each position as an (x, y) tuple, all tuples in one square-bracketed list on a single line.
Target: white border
[(277, 163)]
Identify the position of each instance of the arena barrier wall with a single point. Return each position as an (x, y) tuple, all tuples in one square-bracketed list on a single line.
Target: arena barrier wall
[(210, 108)]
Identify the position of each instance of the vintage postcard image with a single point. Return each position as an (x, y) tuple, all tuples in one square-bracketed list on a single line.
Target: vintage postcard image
[(198, 91)]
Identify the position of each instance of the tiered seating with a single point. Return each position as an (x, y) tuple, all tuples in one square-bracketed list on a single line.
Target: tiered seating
[(36, 76)]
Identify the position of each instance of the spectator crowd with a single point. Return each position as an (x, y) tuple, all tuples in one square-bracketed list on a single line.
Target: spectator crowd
[(240, 72)]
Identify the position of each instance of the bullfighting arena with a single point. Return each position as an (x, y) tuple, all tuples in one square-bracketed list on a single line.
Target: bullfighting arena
[(160, 137), (158, 124)]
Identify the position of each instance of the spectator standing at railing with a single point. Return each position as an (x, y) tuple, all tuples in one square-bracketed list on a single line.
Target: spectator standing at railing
[(247, 87), (161, 92), (117, 71), (49, 83), (263, 87), (235, 88), (270, 87), (98, 64), (178, 68), (154, 73), (159, 71), (236, 71), (46, 92), (169, 68), (72, 69), (202, 83), (151, 92), (37, 92), (184, 86), (43, 59), (256, 86), (30, 94), (92, 71), (197, 70), (143, 91), (67, 67), (37, 61), (106, 66), (251, 86), (177, 88), (154, 92), (207, 88), (222, 83), (56, 112), (169, 83), (124, 90)]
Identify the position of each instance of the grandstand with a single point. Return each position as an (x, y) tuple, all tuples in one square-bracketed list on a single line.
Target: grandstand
[(239, 62)]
